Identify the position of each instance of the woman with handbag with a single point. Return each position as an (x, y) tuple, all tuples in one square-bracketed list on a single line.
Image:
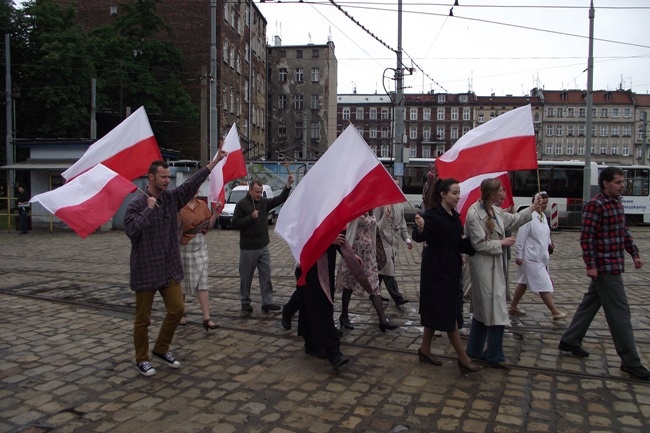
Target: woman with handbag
[(532, 255), (441, 270), (362, 234)]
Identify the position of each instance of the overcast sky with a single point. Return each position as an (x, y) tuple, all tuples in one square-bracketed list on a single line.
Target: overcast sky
[(488, 46)]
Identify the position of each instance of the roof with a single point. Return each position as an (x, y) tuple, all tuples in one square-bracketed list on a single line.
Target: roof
[(601, 97), (364, 99), (35, 164)]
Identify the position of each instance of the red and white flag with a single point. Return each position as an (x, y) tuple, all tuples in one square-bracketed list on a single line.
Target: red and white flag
[(345, 182), (128, 149), (505, 143), (229, 168), (470, 192), (89, 200)]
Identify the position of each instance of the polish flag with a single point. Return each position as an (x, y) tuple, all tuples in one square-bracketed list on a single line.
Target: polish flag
[(89, 200), (505, 143), (345, 182), (470, 192), (229, 168), (129, 149)]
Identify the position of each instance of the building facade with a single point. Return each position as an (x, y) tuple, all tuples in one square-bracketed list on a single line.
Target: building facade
[(301, 100), (241, 64)]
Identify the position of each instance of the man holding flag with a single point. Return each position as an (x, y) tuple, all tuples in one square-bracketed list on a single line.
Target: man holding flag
[(151, 224)]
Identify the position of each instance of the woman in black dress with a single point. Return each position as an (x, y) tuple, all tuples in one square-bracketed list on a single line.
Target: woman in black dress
[(440, 272)]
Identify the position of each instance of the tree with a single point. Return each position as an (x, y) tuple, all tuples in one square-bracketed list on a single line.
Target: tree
[(52, 71)]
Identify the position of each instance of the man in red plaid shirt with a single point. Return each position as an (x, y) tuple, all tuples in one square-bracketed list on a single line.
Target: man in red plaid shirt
[(604, 238)]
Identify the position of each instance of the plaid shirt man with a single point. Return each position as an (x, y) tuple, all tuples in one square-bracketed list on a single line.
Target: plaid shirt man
[(605, 235)]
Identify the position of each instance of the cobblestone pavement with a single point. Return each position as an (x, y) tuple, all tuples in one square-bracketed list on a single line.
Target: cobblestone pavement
[(67, 355)]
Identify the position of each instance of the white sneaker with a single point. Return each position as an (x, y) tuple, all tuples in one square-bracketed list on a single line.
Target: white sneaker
[(168, 359), (146, 369)]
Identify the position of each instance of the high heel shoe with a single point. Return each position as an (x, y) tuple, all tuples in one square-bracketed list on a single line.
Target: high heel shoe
[(386, 325), (206, 325), (345, 323), (428, 359), (469, 368)]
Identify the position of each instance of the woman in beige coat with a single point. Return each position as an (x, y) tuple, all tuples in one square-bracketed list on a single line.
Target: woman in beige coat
[(485, 226)]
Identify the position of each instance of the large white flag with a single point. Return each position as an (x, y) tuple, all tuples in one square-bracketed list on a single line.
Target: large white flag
[(345, 182), (129, 149), (229, 168)]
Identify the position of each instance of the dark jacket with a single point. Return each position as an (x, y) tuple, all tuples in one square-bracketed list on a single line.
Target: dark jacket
[(254, 233)]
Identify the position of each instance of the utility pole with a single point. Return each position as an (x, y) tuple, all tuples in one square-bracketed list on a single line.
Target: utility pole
[(586, 185), (93, 108), (644, 125), (214, 116), (203, 136), (398, 146), (9, 110)]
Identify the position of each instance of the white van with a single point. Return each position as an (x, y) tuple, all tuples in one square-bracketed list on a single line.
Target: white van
[(237, 193)]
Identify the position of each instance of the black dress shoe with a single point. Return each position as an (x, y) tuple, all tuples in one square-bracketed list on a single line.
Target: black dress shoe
[(339, 361), (247, 308), (639, 372), (271, 307), (286, 322), (339, 333), (318, 353), (576, 350), (401, 302)]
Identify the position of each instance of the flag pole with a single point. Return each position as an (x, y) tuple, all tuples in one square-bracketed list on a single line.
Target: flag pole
[(142, 191), (539, 188)]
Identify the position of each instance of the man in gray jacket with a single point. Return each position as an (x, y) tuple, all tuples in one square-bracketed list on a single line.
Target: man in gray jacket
[(251, 219)]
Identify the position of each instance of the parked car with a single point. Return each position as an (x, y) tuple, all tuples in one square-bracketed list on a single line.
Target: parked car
[(237, 193)]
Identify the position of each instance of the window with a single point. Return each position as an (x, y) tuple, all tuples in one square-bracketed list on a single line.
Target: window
[(231, 61), (440, 133), (413, 114), (442, 98), (315, 75), (282, 53), (559, 130), (298, 101), (639, 135), (384, 132), (413, 132), (282, 130), (282, 75), (384, 151), (441, 114), (614, 131), (300, 75), (550, 112), (453, 134), (603, 131), (481, 119), (246, 89), (614, 149), (226, 50), (373, 148), (549, 149), (112, 10), (571, 112), (570, 130), (440, 149), (603, 150), (373, 113), (593, 131), (462, 98), (413, 152), (593, 113), (359, 113), (492, 115), (581, 149), (247, 53), (569, 149), (558, 149), (426, 133), (639, 152), (373, 132), (603, 112), (465, 113), (465, 129), (581, 130), (315, 54), (426, 151), (626, 150), (346, 114), (549, 130), (315, 131), (614, 112), (298, 130), (384, 114), (582, 112), (315, 102), (298, 54), (454, 114), (627, 131), (560, 112), (426, 114), (627, 112)]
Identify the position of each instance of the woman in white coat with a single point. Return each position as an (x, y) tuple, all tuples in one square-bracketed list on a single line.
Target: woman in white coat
[(485, 226), (532, 250)]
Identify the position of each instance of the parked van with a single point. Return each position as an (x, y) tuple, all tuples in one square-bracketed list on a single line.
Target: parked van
[(237, 193)]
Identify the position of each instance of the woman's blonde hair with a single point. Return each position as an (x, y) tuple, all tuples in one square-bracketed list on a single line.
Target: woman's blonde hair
[(489, 187)]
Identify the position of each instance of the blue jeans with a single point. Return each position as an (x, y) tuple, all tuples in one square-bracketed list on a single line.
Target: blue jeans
[(478, 335)]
